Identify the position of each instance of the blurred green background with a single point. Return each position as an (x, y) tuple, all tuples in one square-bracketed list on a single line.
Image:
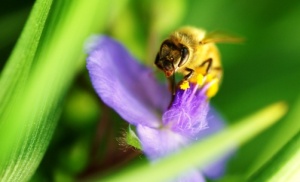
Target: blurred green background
[(262, 70)]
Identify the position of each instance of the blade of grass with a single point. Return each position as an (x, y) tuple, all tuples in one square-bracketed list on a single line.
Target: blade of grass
[(17, 69), (28, 124), (282, 133), (284, 166), (201, 153)]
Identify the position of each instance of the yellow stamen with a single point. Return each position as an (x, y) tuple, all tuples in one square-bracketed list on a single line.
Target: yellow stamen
[(184, 85), (209, 78), (198, 79), (198, 76), (213, 89)]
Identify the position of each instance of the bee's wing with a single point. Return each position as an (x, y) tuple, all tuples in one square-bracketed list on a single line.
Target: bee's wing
[(218, 36)]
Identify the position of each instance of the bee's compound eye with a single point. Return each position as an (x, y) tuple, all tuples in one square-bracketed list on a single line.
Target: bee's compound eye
[(184, 52), (184, 56)]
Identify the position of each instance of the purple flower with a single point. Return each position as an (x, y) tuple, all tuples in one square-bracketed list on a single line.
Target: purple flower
[(131, 89)]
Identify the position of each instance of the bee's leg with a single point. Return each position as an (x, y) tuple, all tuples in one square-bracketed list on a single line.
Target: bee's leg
[(209, 62), (190, 74)]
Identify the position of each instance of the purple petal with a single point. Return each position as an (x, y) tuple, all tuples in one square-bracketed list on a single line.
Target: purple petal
[(157, 143), (188, 112), (125, 85)]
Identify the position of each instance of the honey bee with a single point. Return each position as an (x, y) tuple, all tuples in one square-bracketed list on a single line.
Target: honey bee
[(189, 48)]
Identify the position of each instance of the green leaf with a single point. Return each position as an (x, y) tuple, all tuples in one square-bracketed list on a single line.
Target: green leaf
[(31, 114), (284, 166), (17, 69), (205, 151)]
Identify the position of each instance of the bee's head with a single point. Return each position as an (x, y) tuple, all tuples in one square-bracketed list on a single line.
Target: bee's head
[(171, 56)]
